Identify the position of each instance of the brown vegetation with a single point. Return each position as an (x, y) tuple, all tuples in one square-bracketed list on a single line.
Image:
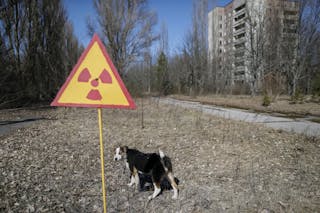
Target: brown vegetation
[(222, 165)]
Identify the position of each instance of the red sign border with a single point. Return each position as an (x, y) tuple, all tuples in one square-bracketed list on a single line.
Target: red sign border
[(114, 71)]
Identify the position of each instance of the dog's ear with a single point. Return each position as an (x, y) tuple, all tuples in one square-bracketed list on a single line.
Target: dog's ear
[(124, 149)]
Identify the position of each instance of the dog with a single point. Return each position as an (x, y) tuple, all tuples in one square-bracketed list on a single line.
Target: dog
[(158, 166)]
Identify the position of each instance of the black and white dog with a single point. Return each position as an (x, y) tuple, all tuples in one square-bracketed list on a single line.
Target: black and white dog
[(158, 166)]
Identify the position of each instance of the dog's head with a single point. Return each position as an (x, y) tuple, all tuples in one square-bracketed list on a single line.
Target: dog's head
[(120, 151)]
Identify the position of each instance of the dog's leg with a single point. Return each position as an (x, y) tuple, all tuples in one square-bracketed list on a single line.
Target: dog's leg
[(157, 190), (132, 181), (174, 185), (137, 180)]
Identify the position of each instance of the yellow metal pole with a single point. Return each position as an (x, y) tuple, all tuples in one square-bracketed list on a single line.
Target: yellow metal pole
[(102, 162)]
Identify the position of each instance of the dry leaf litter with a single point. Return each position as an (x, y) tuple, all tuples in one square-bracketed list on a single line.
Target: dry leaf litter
[(223, 165)]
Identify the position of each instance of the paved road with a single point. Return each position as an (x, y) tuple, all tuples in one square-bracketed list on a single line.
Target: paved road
[(8, 126), (300, 125)]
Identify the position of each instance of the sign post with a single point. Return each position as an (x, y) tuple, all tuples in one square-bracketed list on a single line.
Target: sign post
[(102, 162), (94, 82)]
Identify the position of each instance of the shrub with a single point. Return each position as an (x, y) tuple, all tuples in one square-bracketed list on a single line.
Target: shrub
[(316, 86), (266, 100), (297, 97)]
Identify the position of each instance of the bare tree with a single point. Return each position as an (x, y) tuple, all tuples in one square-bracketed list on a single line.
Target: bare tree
[(196, 48), (309, 39), (273, 79), (256, 21), (163, 40), (126, 26)]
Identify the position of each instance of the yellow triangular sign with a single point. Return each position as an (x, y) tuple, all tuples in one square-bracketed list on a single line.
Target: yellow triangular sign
[(94, 82)]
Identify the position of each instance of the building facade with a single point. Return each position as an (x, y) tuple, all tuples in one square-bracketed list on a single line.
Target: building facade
[(240, 33)]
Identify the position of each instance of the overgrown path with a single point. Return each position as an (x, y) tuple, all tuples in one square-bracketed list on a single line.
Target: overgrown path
[(298, 125)]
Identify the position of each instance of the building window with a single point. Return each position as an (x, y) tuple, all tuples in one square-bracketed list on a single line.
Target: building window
[(240, 8), (220, 17), (239, 64), (239, 73), (220, 42), (240, 17), (290, 13), (241, 26), (290, 39), (220, 34), (238, 46), (220, 26), (288, 30), (220, 51), (239, 54), (289, 21), (242, 35)]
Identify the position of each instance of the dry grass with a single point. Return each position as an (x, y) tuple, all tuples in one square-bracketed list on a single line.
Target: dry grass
[(223, 165)]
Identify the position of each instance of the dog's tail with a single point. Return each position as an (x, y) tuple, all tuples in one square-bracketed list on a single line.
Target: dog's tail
[(161, 154), (166, 161)]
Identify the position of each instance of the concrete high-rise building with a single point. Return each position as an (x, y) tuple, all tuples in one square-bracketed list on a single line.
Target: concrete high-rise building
[(239, 30)]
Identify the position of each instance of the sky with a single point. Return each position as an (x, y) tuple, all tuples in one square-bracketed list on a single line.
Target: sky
[(176, 14)]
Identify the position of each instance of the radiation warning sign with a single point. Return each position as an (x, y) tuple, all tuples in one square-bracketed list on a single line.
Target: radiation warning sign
[(94, 82)]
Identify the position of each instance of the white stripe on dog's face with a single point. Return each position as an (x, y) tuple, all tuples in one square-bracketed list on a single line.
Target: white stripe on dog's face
[(117, 156)]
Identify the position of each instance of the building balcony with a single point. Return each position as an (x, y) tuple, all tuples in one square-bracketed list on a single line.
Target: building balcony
[(239, 78), (291, 37), (239, 60), (293, 13), (236, 23), (239, 69), (239, 31), (238, 50), (239, 45), (239, 53), (240, 56), (239, 26), (289, 30), (239, 75), (240, 17), (239, 8), (240, 12), (239, 40)]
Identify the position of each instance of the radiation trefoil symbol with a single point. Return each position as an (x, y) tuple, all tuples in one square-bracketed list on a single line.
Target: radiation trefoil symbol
[(103, 78), (94, 82)]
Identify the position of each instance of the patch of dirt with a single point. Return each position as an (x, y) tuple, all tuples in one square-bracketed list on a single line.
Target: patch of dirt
[(223, 165), (281, 105)]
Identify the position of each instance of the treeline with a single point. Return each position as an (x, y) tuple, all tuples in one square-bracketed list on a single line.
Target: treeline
[(38, 49)]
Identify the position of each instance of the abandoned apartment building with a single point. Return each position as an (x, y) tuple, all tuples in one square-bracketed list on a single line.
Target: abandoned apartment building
[(233, 35)]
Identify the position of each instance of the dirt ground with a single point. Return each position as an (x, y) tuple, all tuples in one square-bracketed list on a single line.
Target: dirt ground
[(222, 165), (281, 104)]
